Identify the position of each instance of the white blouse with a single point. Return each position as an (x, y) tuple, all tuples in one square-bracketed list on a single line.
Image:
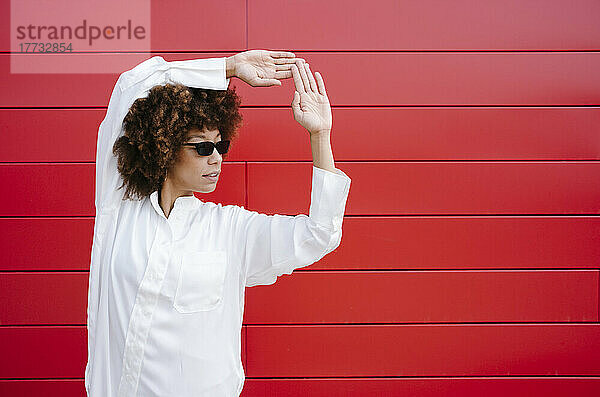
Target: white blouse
[(166, 295)]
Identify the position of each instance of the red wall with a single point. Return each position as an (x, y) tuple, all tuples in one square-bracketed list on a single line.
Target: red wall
[(470, 259)]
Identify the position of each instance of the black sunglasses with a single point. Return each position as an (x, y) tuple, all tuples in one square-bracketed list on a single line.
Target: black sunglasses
[(206, 148)]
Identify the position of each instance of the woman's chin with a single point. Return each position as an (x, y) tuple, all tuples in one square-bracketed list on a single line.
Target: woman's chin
[(209, 188)]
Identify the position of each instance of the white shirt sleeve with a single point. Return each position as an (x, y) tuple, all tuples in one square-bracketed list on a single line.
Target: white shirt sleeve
[(209, 73), (277, 244)]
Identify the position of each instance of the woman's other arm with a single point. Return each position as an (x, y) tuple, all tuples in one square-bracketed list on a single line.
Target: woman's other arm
[(277, 244), (209, 73)]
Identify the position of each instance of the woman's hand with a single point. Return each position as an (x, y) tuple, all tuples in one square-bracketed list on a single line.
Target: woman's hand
[(263, 68), (310, 104)]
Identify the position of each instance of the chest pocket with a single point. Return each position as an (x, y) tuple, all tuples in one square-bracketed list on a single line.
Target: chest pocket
[(200, 285)]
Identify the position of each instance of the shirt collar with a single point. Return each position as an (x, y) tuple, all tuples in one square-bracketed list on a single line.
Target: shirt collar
[(185, 203)]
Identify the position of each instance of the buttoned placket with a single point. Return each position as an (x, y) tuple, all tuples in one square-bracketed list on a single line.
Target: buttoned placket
[(143, 309)]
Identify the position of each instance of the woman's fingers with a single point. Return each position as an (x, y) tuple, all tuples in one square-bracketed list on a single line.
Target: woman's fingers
[(283, 74), (282, 54), (297, 79), (297, 111), (313, 83), (320, 83), (304, 79), (284, 68), (303, 74), (283, 71), (284, 61)]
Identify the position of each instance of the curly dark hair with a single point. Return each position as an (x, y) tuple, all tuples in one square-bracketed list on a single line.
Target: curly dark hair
[(156, 126)]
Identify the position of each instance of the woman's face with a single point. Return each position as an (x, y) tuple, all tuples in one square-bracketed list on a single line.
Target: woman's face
[(188, 172)]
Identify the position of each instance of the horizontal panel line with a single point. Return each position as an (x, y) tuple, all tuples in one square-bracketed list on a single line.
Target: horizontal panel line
[(375, 161), (54, 379), (344, 324), (319, 51), (57, 271), (362, 377), (152, 52), (381, 270), (401, 216), (490, 323), (450, 269), (428, 106), (513, 215)]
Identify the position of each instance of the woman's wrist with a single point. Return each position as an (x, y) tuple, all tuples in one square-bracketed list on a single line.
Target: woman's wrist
[(322, 154), (230, 64), (320, 133)]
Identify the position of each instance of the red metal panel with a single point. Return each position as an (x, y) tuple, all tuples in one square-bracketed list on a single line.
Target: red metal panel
[(426, 297), (43, 298), (62, 89), (43, 387), (349, 350), (462, 133), (423, 350), (430, 242), (563, 78), (192, 25), (339, 297), (36, 135), (469, 242), (381, 188), (46, 243), (48, 352), (43, 352), (410, 133), (423, 25), (187, 25), (457, 79), (76, 198), (434, 188), (58, 135), (48, 189)]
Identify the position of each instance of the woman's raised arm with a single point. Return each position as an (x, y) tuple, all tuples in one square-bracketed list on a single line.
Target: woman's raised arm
[(209, 73), (277, 244)]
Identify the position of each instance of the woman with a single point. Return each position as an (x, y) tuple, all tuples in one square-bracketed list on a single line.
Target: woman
[(168, 271)]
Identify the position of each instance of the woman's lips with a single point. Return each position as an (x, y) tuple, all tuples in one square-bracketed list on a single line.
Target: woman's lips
[(212, 178)]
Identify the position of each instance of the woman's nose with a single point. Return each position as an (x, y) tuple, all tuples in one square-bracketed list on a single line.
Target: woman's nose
[(215, 155)]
